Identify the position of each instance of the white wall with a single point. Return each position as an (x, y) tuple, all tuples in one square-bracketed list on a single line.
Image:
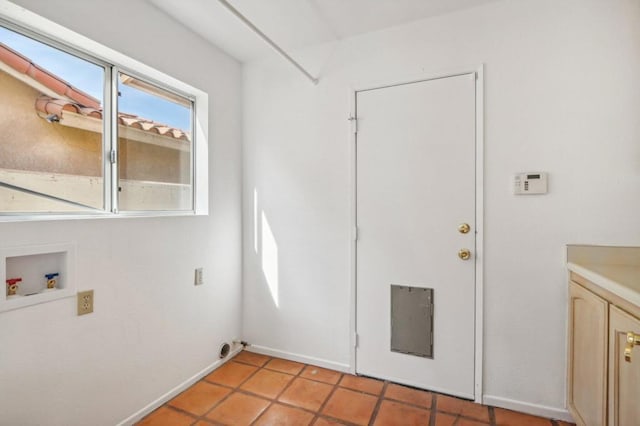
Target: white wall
[(562, 96), (151, 329)]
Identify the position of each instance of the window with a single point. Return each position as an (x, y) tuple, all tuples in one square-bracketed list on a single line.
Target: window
[(95, 134), (49, 159), (154, 147)]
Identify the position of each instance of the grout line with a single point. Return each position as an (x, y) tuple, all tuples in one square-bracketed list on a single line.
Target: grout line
[(432, 416), (288, 385), (376, 408), (335, 387), (262, 414), (410, 404), (233, 389), (275, 399), (179, 410)]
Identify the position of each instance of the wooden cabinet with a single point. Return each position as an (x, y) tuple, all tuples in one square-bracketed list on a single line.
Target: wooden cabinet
[(603, 386), (587, 368), (624, 372)]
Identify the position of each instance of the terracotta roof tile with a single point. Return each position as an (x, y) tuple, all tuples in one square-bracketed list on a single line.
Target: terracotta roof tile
[(24, 65), (54, 106), (47, 105), (77, 101)]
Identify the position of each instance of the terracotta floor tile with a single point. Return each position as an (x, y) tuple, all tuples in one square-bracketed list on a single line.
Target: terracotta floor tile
[(231, 374), (267, 383), (362, 384), (321, 374), (321, 421), (284, 366), (199, 398), (513, 418), (238, 409), (350, 406), (468, 422), (307, 394), (252, 358), (390, 413), (463, 407), (302, 390), (280, 415), (445, 419), (411, 396), (165, 416)]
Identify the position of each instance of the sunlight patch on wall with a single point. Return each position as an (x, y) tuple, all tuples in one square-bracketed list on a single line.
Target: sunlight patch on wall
[(255, 220), (270, 259)]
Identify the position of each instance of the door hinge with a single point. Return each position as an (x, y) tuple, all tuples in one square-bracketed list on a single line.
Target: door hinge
[(356, 340), (354, 124), (355, 233), (112, 155)]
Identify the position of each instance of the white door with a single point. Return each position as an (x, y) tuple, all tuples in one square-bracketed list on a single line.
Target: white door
[(415, 157)]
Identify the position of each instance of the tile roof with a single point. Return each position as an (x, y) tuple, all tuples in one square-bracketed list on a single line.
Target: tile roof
[(48, 105), (76, 101), (23, 65)]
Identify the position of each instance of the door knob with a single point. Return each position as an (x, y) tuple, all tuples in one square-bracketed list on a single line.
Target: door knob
[(633, 339), (464, 254), (464, 228)]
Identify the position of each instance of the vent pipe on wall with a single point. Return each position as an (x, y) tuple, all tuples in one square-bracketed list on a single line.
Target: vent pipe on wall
[(267, 40)]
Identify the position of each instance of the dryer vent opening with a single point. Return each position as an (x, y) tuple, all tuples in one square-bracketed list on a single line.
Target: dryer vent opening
[(224, 350)]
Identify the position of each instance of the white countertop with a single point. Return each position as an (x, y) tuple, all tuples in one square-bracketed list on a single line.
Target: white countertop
[(621, 280), (616, 269)]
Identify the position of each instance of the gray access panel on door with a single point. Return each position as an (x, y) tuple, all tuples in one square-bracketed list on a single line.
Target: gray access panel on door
[(412, 320)]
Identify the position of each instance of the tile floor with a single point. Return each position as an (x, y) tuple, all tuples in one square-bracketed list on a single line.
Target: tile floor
[(254, 389)]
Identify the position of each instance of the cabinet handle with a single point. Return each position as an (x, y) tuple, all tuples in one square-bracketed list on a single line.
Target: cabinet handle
[(633, 339)]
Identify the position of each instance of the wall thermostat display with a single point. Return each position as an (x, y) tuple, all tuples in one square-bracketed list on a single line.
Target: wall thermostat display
[(530, 183)]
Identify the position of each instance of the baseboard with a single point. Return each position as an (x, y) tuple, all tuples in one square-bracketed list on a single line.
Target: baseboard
[(525, 407), (344, 368), (139, 415)]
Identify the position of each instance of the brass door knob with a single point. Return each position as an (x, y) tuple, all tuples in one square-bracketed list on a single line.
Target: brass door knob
[(464, 254), (633, 339), (464, 228)]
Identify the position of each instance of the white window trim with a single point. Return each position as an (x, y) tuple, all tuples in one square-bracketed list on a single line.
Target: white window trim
[(40, 25)]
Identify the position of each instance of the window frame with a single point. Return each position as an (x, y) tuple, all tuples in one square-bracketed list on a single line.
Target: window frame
[(115, 70), (41, 29)]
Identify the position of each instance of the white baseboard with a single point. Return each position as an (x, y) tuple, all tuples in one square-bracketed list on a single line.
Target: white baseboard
[(344, 368), (525, 407), (140, 414)]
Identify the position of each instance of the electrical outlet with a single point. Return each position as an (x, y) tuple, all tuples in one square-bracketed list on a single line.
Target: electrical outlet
[(198, 279), (85, 302)]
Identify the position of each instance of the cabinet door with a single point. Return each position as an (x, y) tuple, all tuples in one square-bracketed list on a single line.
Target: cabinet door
[(587, 369), (624, 375)]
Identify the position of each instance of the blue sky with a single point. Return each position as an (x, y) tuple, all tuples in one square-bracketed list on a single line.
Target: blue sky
[(88, 77)]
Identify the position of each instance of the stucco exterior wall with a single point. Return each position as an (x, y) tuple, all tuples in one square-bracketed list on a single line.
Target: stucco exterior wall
[(29, 143)]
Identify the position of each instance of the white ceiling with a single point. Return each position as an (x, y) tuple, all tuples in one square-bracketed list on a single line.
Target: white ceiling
[(297, 23)]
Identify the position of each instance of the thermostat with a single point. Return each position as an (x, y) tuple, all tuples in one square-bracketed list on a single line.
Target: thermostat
[(530, 183)]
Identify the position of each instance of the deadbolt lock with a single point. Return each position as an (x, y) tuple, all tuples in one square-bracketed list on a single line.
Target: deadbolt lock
[(464, 254), (633, 339), (464, 228)]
